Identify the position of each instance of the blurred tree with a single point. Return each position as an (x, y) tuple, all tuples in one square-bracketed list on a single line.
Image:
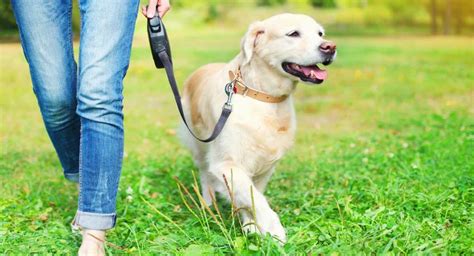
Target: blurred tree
[(217, 10), (213, 12), (403, 11), (454, 15), (7, 19), (76, 17), (351, 3), (462, 11), (433, 13), (270, 2), (323, 3), (447, 17)]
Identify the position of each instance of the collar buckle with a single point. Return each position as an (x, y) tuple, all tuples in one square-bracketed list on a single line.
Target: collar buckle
[(246, 89)]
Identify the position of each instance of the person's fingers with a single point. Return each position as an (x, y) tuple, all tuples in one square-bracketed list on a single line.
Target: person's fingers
[(163, 7), (150, 10), (150, 13)]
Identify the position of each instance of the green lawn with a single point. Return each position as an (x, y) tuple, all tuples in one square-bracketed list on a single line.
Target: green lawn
[(383, 161)]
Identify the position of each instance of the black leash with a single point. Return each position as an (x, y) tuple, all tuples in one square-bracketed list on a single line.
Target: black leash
[(161, 51)]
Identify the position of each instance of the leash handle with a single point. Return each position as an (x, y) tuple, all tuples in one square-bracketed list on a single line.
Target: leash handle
[(161, 52), (158, 40)]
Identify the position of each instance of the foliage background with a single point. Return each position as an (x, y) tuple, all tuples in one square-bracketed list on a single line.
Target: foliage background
[(405, 16)]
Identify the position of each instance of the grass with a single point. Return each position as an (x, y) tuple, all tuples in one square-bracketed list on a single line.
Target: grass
[(383, 162)]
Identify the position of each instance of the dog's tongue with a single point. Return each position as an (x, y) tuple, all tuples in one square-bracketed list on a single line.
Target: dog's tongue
[(314, 72)]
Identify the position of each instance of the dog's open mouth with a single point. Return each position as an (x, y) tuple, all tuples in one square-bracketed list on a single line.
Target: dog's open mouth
[(312, 74)]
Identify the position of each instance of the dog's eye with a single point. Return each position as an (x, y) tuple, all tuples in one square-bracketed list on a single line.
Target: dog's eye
[(293, 34), (320, 33)]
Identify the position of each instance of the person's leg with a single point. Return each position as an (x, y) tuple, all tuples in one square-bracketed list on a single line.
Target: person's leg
[(106, 38), (46, 37)]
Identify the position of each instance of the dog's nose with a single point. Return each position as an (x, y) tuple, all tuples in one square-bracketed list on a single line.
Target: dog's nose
[(328, 47)]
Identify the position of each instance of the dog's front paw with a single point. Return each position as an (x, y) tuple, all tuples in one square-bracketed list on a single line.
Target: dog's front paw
[(250, 228), (271, 224)]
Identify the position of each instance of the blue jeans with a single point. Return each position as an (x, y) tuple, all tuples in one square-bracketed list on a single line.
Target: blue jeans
[(82, 106)]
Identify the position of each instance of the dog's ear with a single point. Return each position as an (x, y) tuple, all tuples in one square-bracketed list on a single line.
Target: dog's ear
[(249, 41)]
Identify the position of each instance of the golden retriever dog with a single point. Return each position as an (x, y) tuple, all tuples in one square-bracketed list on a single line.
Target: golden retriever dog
[(276, 54)]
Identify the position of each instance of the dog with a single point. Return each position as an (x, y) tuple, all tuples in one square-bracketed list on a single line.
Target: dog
[(275, 55)]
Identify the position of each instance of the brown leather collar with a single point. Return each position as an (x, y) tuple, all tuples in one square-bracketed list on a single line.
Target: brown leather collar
[(242, 89)]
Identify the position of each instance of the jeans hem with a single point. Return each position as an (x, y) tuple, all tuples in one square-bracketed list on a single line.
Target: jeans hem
[(96, 221)]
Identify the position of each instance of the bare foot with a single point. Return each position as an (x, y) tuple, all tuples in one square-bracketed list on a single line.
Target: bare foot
[(92, 243)]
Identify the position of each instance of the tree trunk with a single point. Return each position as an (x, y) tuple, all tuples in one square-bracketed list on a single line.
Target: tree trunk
[(447, 18), (434, 13)]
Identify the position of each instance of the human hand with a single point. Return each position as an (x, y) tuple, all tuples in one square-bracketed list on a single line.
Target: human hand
[(149, 11)]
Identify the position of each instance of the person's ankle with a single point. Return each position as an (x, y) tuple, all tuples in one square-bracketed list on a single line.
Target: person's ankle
[(99, 235), (92, 242)]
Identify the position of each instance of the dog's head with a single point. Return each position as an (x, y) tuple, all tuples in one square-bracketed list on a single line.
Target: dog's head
[(292, 44)]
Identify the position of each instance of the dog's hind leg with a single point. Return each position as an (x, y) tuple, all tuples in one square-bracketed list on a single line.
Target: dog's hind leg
[(246, 196)]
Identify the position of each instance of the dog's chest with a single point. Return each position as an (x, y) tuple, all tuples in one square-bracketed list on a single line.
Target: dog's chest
[(268, 135)]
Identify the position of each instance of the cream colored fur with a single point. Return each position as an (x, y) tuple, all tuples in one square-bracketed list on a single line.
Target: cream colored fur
[(257, 134)]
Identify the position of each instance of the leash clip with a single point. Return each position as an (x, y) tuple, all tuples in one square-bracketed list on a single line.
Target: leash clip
[(229, 90)]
